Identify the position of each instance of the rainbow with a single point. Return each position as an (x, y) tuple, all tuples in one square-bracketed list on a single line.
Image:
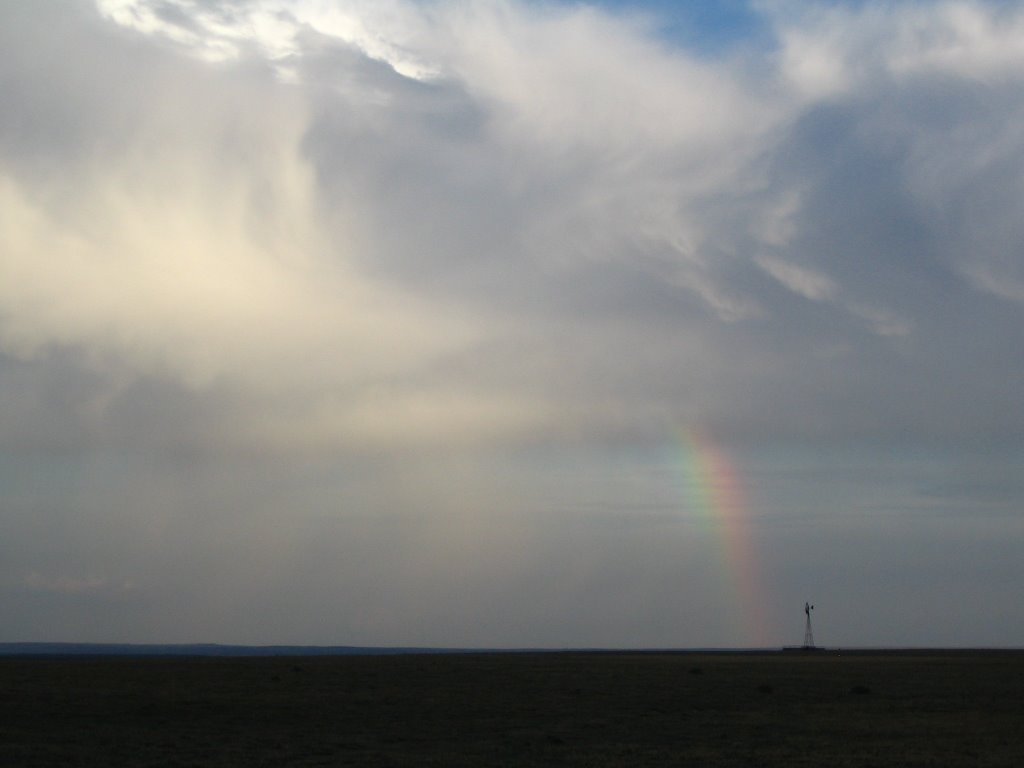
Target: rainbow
[(714, 492)]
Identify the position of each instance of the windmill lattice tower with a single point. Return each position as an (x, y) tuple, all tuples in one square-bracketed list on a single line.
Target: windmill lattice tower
[(808, 632)]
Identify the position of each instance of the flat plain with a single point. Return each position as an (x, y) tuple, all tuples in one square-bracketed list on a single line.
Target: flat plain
[(925, 708)]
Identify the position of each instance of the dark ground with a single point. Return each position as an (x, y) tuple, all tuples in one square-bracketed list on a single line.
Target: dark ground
[(530, 709)]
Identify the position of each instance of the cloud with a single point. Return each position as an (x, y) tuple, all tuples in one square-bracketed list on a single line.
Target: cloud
[(94, 586), (345, 224), (379, 322), (198, 284), (802, 281), (217, 32), (834, 50), (181, 238)]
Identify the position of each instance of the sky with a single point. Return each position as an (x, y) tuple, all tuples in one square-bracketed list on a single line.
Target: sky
[(512, 323)]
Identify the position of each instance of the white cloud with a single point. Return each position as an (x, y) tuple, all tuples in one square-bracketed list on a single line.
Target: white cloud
[(382, 29), (178, 269), (963, 39), (832, 51), (350, 256), (800, 280)]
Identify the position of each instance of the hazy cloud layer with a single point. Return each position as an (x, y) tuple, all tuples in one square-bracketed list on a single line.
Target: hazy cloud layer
[(422, 235)]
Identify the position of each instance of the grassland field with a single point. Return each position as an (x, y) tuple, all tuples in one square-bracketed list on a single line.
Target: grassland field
[(517, 709)]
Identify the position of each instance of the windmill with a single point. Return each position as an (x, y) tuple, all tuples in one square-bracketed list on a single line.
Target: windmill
[(808, 632)]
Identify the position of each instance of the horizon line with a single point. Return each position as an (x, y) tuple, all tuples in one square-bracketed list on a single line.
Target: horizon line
[(73, 648)]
